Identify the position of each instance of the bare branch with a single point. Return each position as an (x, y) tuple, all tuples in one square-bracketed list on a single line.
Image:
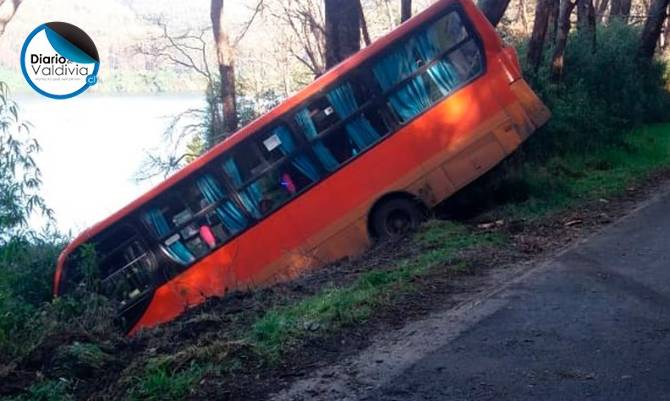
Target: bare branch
[(245, 29)]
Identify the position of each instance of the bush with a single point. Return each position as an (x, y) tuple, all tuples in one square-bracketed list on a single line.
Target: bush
[(26, 272), (603, 93)]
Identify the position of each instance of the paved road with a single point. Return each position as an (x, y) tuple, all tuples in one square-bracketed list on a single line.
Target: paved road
[(592, 324)]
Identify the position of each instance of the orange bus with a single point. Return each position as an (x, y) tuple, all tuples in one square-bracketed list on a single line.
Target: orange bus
[(356, 155)]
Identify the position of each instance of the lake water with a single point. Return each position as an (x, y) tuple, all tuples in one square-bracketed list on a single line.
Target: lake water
[(92, 147)]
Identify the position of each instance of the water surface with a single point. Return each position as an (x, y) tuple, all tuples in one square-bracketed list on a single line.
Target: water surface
[(92, 146)]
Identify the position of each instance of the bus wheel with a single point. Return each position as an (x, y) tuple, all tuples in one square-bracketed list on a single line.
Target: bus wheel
[(396, 217)]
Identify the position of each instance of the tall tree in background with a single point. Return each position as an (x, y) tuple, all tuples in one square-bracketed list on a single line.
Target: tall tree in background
[(537, 37), (561, 38), (552, 28), (343, 30), (405, 10), (493, 9), (305, 31), (601, 7), (652, 28), (586, 20), (364, 24), (7, 10), (620, 9), (225, 56)]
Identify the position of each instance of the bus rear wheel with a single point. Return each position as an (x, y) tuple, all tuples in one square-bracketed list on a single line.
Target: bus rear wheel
[(396, 218)]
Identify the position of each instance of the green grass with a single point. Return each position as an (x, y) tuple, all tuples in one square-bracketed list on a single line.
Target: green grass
[(282, 327), (162, 383), (48, 390), (567, 181)]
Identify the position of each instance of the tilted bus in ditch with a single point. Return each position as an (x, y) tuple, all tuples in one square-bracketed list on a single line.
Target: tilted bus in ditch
[(401, 125)]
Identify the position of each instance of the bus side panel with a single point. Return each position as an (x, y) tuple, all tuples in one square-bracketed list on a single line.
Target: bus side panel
[(268, 249), (266, 253), (213, 276), (396, 164), (344, 197)]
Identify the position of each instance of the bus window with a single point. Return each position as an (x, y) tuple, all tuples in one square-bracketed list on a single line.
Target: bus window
[(467, 60), (288, 173), (449, 31), (212, 216), (427, 66), (343, 123), (127, 267), (162, 221), (226, 218)]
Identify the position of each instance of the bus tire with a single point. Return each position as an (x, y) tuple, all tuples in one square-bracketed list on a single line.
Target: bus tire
[(395, 218)]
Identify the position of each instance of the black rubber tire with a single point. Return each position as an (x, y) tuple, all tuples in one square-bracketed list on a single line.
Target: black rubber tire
[(396, 218)]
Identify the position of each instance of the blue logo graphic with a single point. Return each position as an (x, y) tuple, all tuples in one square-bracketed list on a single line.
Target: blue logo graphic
[(59, 60)]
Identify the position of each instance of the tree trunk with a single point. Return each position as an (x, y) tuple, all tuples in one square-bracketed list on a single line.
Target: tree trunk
[(343, 30), (493, 9), (364, 24), (405, 10), (586, 19), (652, 29), (536, 42), (601, 7), (225, 55), (666, 35), (7, 10), (620, 9), (561, 39), (552, 25)]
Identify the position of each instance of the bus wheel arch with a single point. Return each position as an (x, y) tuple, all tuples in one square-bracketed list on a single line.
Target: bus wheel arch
[(395, 214)]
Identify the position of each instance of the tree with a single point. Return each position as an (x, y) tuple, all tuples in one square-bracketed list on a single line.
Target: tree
[(405, 10), (540, 25), (620, 9), (20, 178), (493, 9), (7, 10), (364, 24), (554, 12), (652, 29), (586, 19), (304, 32), (601, 7), (561, 38), (225, 56), (343, 30)]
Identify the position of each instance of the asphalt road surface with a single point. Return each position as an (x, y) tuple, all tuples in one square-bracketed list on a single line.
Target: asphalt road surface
[(591, 324)]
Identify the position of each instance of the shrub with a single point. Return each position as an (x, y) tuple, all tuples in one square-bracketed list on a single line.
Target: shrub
[(26, 273), (603, 93)]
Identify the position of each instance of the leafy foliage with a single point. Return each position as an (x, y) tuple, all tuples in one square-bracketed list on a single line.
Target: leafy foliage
[(603, 93), (20, 178)]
